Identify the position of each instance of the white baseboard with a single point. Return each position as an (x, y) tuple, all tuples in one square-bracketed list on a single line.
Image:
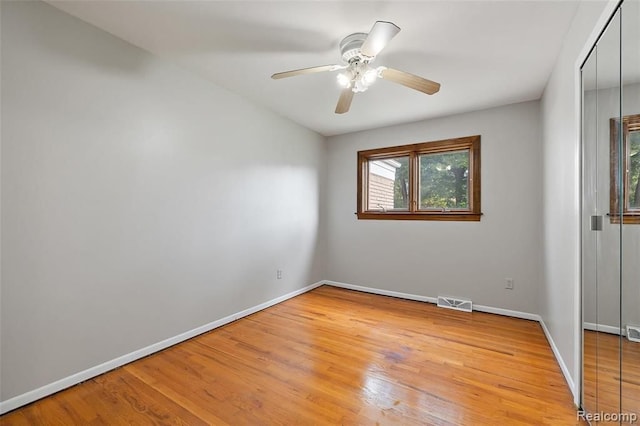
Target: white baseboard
[(559, 359), (480, 308), (604, 328), (434, 300), (51, 388), (382, 292), (507, 312)]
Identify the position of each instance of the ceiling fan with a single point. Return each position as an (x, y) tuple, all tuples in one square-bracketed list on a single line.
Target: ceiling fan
[(358, 51)]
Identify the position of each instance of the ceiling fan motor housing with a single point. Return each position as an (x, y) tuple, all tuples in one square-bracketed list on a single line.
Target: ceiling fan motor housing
[(350, 46)]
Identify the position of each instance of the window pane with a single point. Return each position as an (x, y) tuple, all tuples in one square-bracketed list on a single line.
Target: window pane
[(389, 184), (634, 170), (444, 180)]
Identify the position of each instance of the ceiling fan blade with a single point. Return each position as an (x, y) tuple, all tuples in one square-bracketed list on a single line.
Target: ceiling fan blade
[(310, 70), (344, 102), (381, 33), (409, 80)]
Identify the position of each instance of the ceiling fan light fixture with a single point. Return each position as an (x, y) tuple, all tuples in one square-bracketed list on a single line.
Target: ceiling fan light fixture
[(359, 86), (370, 76), (344, 80), (365, 76)]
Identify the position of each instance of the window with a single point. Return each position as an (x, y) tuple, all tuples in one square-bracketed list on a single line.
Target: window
[(427, 181), (627, 203)]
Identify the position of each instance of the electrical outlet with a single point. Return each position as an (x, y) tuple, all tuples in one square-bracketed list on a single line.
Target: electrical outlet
[(279, 274), (508, 283)]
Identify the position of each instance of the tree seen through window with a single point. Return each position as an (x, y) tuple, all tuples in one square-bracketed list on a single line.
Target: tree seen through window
[(634, 170)]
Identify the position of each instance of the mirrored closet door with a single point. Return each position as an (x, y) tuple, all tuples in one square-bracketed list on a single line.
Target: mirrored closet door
[(611, 220)]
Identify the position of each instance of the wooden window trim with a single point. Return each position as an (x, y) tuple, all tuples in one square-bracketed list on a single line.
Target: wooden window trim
[(630, 123), (472, 143)]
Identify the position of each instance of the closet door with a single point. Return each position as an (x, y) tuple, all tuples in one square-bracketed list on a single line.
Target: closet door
[(601, 230), (629, 159)]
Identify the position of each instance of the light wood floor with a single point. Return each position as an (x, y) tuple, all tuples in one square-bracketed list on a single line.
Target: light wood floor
[(332, 356), (603, 389)]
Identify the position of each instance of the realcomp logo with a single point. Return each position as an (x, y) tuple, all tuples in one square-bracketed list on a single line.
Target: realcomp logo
[(607, 417)]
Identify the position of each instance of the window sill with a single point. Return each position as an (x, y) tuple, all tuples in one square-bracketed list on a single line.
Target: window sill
[(627, 218), (449, 216)]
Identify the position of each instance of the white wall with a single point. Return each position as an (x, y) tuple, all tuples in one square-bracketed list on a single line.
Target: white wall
[(560, 106), (430, 258), (138, 201)]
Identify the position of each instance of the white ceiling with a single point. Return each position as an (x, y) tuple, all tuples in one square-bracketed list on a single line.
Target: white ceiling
[(484, 53)]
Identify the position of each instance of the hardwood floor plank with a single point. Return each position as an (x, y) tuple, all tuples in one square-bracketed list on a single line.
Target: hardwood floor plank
[(606, 357), (332, 356)]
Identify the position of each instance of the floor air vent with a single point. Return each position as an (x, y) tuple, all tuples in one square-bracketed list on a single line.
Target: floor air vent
[(633, 333), (454, 303)]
